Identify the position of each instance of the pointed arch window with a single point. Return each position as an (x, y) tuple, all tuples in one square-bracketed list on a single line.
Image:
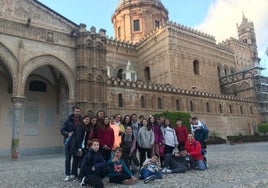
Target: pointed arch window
[(120, 100), (219, 71), (119, 74), (142, 102), (225, 71), (159, 103), (220, 108), (251, 110), (191, 106), (196, 67), (177, 104), (147, 75), (241, 110), (156, 24), (230, 109), (207, 106)]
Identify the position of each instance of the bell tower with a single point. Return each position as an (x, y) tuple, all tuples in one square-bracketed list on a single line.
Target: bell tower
[(246, 35), (133, 19)]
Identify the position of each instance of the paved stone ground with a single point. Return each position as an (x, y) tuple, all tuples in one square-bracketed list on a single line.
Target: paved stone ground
[(230, 166)]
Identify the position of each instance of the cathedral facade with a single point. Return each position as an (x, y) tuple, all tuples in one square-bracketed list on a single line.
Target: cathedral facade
[(48, 64)]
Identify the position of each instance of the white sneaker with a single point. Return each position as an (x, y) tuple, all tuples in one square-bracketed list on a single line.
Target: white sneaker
[(168, 171), (82, 184), (164, 170), (67, 178), (207, 165)]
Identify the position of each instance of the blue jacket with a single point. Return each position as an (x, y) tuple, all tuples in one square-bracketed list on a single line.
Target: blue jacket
[(92, 158), (68, 126)]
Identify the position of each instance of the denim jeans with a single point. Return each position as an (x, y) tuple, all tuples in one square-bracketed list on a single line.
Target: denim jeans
[(200, 164), (68, 157), (146, 173)]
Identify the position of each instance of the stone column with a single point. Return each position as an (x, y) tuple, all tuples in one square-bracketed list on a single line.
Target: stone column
[(17, 103)]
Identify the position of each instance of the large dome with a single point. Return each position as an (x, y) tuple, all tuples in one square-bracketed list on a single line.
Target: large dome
[(121, 2)]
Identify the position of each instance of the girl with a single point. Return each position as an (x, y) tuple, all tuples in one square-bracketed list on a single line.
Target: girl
[(193, 148), (128, 145), (158, 137), (145, 141), (170, 137), (105, 134)]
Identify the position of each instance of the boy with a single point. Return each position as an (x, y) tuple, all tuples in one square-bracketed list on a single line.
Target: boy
[(150, 169), (120, 173), (93, 165), (178, 162)]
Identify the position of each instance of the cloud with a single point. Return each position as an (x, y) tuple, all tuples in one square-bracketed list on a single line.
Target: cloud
[(223, 15)]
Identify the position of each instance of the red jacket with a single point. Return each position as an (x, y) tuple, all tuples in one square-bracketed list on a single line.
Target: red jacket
[(194, 149), (181, 133), (105, 136)]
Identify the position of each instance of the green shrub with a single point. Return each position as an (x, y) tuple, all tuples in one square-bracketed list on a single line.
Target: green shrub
[(173, 116), (246, 138), (263, 127)]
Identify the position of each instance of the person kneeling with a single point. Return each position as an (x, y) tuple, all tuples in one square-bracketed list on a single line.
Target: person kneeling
[(93, 165), (150, 169), (120, 173)]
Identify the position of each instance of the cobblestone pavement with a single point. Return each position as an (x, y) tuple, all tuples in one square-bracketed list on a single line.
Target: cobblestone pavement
[(230, 166)]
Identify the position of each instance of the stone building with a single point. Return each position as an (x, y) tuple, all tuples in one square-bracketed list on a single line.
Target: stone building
[(48, 64)]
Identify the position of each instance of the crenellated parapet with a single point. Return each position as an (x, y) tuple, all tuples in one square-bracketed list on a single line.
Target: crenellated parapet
[(156, 87), (224, 46), (190, 31), (234, 40), (120, 43)]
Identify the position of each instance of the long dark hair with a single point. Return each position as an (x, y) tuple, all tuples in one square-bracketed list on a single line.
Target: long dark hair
[(124, 121), (148, 125)]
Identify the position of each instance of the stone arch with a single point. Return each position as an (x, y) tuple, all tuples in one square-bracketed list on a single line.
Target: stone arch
[(99, 45), (99, 78), (12, 64), (58, 64), (89, 77), (89, 43), (244, 85)]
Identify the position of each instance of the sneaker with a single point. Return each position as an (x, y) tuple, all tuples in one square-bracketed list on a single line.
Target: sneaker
[(72, 177), (82, 184), (164, 170), (67, 178), (149, 179), (206, 165), (168, 171)]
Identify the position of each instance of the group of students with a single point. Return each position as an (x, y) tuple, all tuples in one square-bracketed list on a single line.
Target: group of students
[(103, 146)]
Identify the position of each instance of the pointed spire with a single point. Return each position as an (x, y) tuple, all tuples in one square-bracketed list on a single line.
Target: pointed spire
[(244, 19)]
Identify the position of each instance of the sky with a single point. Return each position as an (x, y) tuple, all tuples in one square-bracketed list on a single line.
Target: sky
[(215, 17)]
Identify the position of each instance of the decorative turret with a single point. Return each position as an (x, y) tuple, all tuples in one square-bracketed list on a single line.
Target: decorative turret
[(246, 35), (134, 19)]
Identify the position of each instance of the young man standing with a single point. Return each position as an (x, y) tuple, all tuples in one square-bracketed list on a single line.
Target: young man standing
[(67, 130)]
